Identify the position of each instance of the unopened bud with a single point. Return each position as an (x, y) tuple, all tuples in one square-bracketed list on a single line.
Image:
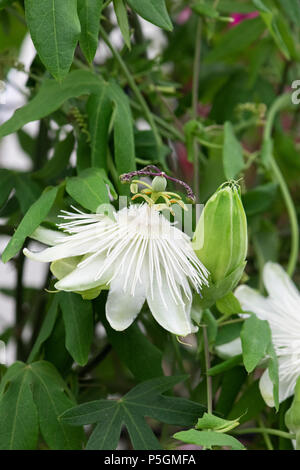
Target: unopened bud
[(159, 184), (220, 240)]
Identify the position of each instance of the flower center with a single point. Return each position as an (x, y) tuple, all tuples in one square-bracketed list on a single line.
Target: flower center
[(155, 194), (143, 221)]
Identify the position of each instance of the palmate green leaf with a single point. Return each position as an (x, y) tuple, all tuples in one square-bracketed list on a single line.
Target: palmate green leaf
[(121, 14), (50, 96), (54, 167), (154, 11), (144, 400), (51, 400), (90, 188), (6, 185), (233, 160), (18, 414), (11, 373), (89, 12), (55, 28), (32, 397), (32, 219), (107, 433), (208, 439), (79, 325)]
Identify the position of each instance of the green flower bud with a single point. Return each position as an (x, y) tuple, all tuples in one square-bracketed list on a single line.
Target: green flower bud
[(159, 184), (292, 416), (220, 241)]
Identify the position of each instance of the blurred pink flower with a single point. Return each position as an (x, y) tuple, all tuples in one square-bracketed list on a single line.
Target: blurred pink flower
[(185, 167), (238, 17), (184, 16)]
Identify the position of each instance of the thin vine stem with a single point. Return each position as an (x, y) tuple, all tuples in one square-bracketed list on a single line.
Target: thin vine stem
[(279, 104), (134, 87), (266, 436), (207, 367), (272, 432)]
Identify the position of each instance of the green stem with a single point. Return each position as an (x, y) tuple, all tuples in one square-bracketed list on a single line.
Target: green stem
[(281, 103), (133, 85), (221, 321), (207, 367), (266, 436), (272, 432), (292, 215), (195, 95)]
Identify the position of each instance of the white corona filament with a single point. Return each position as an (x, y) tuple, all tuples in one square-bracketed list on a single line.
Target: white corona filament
[(139, 255)]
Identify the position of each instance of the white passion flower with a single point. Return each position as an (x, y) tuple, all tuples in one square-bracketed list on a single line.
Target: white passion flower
[(282, 310), (139, 255)]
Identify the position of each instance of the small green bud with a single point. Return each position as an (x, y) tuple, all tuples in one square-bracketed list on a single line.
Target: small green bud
[(220, 240), (292, 416), (159, 184)]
